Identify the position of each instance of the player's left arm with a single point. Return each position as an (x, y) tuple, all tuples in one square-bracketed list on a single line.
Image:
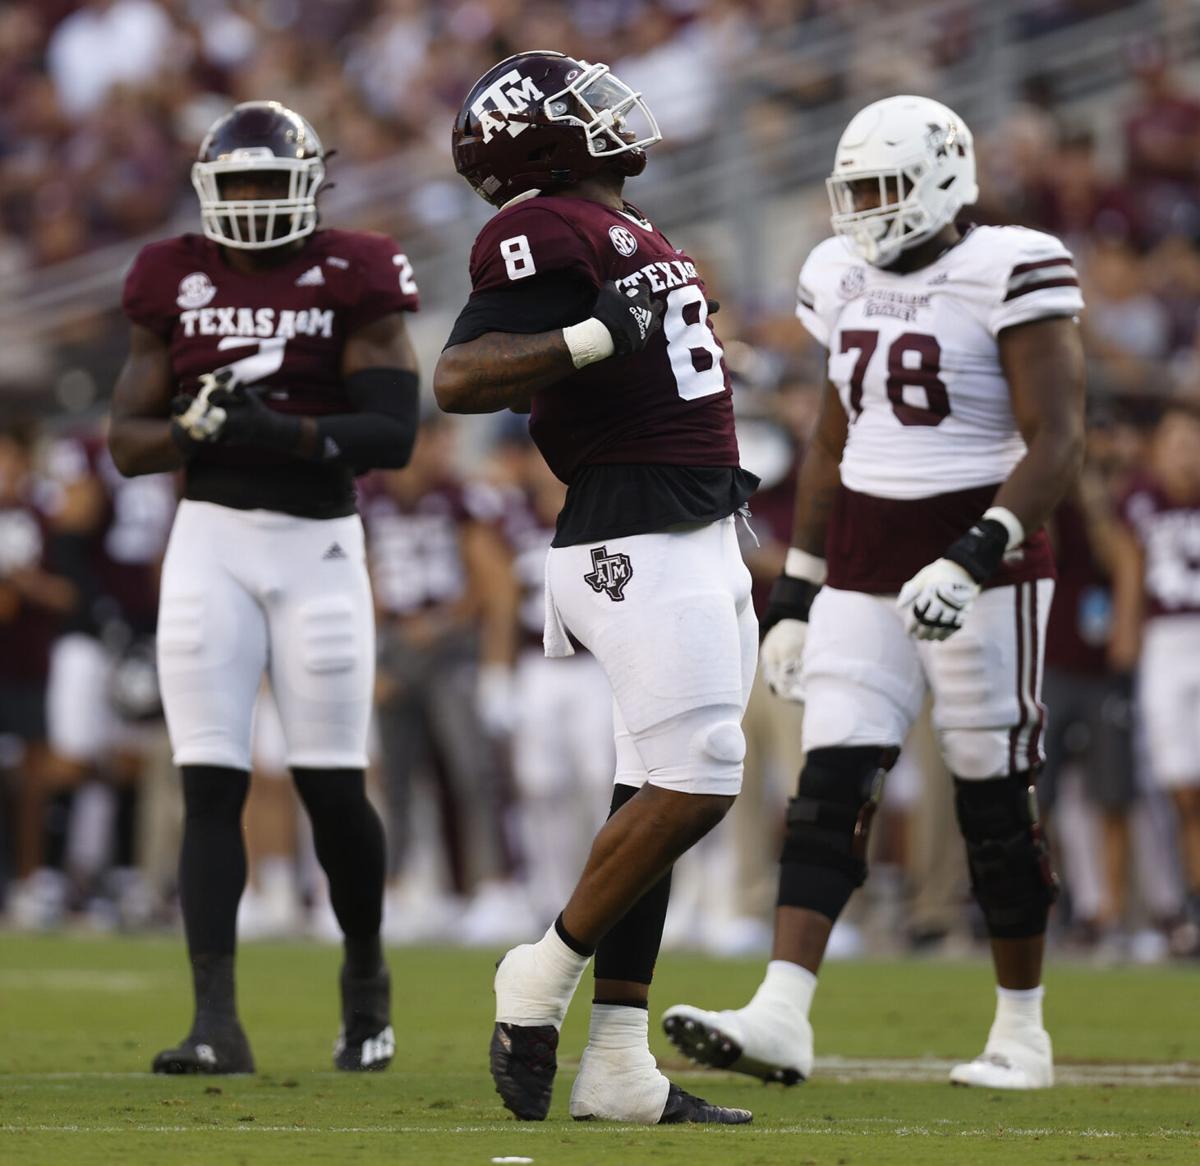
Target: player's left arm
[(1043, 363), (382, 384)]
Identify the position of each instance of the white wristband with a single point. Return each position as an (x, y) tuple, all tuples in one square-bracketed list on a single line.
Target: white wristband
[(1007, 519), (588, 342), (801, 565)]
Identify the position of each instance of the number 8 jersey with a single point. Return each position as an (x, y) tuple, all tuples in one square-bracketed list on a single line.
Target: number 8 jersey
[(915, 360), (537, 266)]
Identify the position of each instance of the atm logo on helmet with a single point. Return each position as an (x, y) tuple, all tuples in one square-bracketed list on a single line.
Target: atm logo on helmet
[(507, 95)]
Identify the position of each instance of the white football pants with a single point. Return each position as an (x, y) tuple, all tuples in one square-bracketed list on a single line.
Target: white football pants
[(248, 590), (669, 617), (865, 678)]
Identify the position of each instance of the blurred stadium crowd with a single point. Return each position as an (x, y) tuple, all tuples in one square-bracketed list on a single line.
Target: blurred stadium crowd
[(493, 765)]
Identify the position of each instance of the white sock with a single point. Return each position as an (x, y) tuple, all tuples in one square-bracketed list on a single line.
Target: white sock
[(1020, 1007), (618, 1076), (535, 981), (621, 1030), (786, 988)]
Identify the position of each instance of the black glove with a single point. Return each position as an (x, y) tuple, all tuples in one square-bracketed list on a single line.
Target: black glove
[(630, 319), (981, 550), (248, 421), (790, 598), (184, 441)]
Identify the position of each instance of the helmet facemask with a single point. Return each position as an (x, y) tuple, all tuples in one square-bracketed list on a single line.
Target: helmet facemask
[(615, 120), (256, 224), (879, 233)]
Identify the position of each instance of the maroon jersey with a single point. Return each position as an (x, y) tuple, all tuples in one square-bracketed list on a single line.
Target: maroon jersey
[(876, 544), (26, 630), (284, 328), (1169, 534), (668, 405), (527, 534), (414, 545), (130, 535), (1080, 617)]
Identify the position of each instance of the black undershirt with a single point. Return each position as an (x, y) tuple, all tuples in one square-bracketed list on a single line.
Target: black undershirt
[(306, 489), (604, 500)]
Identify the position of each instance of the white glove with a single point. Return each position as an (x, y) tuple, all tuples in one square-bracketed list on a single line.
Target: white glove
[(495, 699), (201, 420), (786, 623), (780, 654), (935, 601)]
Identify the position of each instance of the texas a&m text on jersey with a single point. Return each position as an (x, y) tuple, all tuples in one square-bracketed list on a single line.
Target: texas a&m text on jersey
[(270, 361)]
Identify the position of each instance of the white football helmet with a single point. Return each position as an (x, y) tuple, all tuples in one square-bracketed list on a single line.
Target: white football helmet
[(923, 157)]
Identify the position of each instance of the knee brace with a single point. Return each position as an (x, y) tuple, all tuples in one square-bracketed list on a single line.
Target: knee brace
[(1007, 854), (828, 823)]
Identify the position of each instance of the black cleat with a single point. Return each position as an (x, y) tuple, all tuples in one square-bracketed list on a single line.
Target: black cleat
[(215, 1053), (683, 1107), (365, 1042), (708, 1046), (524, 1059)]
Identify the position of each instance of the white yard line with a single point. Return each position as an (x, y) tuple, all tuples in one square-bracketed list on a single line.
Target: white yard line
[(932, 1069), (847, 1128), (924, 1069)]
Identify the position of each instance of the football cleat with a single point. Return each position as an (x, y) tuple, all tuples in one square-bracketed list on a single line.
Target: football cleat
[(524, 1060), (723, 1040), (683, 1107), (365, 1042), (216, 1053), (1018, 1060)]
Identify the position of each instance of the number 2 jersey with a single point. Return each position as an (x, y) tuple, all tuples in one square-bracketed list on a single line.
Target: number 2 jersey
[(915, 360), (644, 441), (283, 328)]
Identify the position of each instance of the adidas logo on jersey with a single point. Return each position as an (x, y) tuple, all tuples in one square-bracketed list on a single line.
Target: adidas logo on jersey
[(335, 552), (313, 277)]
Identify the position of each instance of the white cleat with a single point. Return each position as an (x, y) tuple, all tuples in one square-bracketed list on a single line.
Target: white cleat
[(781, 1050), (1014, 1060)]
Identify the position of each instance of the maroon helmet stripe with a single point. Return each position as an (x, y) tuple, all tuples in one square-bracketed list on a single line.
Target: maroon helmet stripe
[(1032, 287), (1021, 268)]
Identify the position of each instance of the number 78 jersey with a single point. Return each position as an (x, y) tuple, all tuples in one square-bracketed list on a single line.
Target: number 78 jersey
[(915, 358), (545, 257)]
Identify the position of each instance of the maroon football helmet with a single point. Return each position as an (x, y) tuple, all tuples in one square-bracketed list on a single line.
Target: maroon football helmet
[(260, 137), (543, 120)]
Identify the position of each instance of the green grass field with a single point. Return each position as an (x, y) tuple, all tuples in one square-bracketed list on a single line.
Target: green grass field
[(80, 1019)]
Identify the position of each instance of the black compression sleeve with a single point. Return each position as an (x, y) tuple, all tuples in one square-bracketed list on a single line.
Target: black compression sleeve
[(380, 433), (541, 304)]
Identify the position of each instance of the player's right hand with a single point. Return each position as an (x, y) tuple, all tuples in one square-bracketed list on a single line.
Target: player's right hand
[(631, 319), (199, 419), (784, 626)]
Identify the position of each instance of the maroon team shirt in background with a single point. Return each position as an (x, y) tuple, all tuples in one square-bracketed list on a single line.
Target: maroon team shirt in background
[(1077, 632), (668, 405), (414, 546), (1169, 535), (283, 328)]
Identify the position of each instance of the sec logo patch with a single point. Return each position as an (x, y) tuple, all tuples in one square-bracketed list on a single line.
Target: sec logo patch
[(623, 240), (195, 291)]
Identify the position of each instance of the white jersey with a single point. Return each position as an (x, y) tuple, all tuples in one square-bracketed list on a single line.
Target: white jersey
[(915, 357)]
